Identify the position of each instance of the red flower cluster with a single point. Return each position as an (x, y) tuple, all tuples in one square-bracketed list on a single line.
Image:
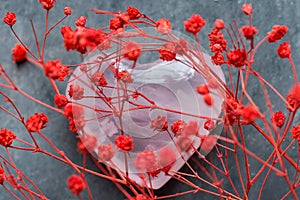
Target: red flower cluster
[(167, 52), (36, 122), (98, 79), (60, 101), (74, 114), (55, 70), (284, 50), (116, 23), (237, 57), (75, 184), (278, 31), (163, 26), (249, 113), (125, 76), (178, 126), (132, 50), (80, 21), (202, 89), (89, 142), (133, 13), (6, 137), (249, 32), (145, 161), (191, 129), (232, 110), (105, 153), (67, 11), (278, 119), (81, 38), (293, 97), (159, 124), (247, 9), (219, 24), (124, 143), (76, 92), (296, 133), (194, 24), (47, 4), (217, 44), (209, 124), (19, 53), (2, 176), (10, 18)]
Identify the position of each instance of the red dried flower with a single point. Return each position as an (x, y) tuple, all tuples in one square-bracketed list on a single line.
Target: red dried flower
[(115, 23), (132, 50), (296, 133), (159, 124), (284, 50), (125, 76), (55, 70), (47, 4), (218, 58), (237, 57), (10, 18), (36, 122), (75, 184), (67, 11), (60, 101), (124, 143), (19, 53), (6, 137), (145, 161), (208, 99), (217, 42), (219, 24), (76, 92), (278, 31), (249, 32), (105, 153), (194, 24), (80, 21), (2, 176), (98, 79), (181, 47), (89, 142), (247, 9), (250, 113), (191, 129), (76, 124), (167, 52), (178, 126), (133, 13), (163, 26), (278, 119), (73, 111), (209, 124), (293, 97), (202, 89)]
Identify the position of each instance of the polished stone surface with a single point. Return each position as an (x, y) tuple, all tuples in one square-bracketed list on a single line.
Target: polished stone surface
[(49, 174)]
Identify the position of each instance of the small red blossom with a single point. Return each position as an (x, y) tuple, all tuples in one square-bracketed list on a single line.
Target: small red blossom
[(278, 31), (145, 161), (116, 23), (105, 153), (36, 122), (60, 100), (159, 124), (208, 99), (293, 97), (76, 92), (296, 133), (10, 18), (2, 176), (98, 79), (232, 110), (73, 111), (132, 50), (217, 42), (250, 113), (202, 89), (89, 142), (249, 32), (191, 129), (247, 9), (67, 11), (75, 184), (218, 58), (80, 21), (163, 26), (278, 119), (194, 24), (55, 70), (125, 76), (237, 57), (167, 52), (209, 124), (19, 53), (76, 124), (6, 137), (133, 13), (181, 47), (47, 4), (124, 143), (178, 126), (219, 24), (284, 50)]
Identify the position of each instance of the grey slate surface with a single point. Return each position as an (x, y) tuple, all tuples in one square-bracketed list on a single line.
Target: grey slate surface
[(50, 175)]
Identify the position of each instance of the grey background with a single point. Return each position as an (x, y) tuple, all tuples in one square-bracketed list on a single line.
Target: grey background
[(49, 174)]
